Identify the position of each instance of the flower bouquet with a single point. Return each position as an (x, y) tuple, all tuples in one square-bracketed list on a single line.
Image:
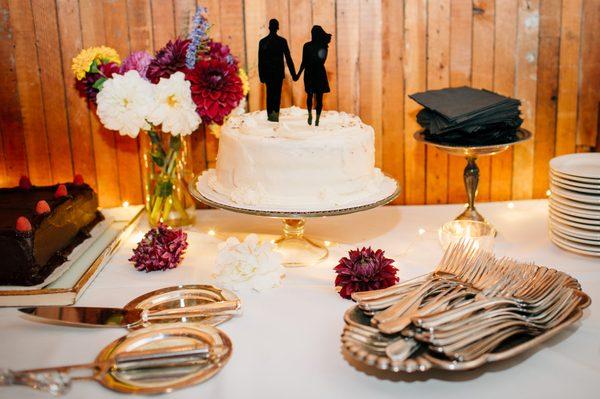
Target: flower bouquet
[(187, 82)]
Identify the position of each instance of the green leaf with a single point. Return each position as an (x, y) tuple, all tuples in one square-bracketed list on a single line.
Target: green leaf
[(175, 143), (94, 67), (99, 83), (165, 188), (154, 137)]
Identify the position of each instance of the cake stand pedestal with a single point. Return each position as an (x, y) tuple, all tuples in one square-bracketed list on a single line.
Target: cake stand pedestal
[(471, 172), (296, 248)]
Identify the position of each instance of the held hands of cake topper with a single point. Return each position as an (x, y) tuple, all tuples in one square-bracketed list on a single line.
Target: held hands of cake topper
[(273, 49)]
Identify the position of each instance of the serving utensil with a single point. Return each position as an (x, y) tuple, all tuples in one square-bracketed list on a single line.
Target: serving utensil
[(188, 303), (148, 361)]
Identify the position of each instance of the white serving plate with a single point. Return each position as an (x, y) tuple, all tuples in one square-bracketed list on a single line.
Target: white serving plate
[(576, 189), (572, 231), (575, 219), (587, 198), (570, 210), (575, 247), (576, 183), (574, 204), (578, 165), (595, 243), (559, 218)]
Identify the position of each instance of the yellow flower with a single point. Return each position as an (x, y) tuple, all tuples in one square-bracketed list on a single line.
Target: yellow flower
[(245, 84), (84, 60)]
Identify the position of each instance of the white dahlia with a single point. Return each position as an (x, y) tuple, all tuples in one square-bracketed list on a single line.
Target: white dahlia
[(175, 109), (125, 102)]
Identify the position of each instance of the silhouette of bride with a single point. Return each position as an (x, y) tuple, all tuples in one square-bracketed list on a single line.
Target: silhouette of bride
[(314, 55)]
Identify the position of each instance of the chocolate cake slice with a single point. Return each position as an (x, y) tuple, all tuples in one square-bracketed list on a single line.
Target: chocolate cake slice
[(40, 226)]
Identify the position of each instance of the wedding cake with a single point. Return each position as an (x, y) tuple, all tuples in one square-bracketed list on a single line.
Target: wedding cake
[(289, 162)]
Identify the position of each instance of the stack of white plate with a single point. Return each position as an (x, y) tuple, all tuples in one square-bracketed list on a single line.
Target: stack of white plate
[(575, 203)]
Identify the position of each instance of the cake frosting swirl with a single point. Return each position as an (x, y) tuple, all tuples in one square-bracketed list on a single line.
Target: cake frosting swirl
[(292, 163)]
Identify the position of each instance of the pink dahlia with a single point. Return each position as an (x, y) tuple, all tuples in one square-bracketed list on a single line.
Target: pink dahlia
[(168, 60), (216, 89), (364, 270), (161, 248), (87, 86), (137, 61)]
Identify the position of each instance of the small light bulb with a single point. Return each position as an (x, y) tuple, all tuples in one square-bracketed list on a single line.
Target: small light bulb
[(125, 204), (466, 205), (272, 241), (548, 192), (421, 231), (510, 205), (211, 232), (327, 243)]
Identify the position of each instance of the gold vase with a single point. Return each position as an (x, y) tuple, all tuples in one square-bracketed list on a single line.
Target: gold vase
[(167, 172)]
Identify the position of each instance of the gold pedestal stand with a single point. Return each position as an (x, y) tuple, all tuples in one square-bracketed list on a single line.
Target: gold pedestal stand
[(471, 173)]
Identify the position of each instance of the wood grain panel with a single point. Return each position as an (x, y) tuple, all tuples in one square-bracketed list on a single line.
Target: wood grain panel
[(482, 74), (370, 64), (415, 78), (30, 92), (547, 91), (393, 91), (543, 52), (505, 42), (461, 29), (568, 78), (526, 85), (438, 77)]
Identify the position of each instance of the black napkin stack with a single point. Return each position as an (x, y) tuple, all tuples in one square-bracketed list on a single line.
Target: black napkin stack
[(468, 116)]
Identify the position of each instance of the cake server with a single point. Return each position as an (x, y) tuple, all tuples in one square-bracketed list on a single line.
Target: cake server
[(130, 318)]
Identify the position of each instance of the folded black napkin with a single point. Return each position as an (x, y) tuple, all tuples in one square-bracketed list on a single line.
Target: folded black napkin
[(463, 115)]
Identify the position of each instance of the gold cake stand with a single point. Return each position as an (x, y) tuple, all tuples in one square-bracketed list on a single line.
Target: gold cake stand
[(296, 248), (471, 172)]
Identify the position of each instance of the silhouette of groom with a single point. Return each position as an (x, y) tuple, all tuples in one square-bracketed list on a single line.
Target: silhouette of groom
[(272, 49)]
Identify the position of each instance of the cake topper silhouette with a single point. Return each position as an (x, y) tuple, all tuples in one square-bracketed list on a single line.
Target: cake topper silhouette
[(272, 50), (314, 54)]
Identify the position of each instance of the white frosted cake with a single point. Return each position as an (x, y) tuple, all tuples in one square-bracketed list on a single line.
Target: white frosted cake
[(290, 163)]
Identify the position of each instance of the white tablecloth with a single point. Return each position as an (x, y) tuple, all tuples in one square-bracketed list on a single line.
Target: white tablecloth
[(286, 344)]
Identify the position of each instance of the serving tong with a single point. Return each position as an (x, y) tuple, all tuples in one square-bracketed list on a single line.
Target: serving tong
[(465, 309)]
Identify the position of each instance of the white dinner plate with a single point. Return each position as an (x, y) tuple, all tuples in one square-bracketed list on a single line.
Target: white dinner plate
[(574, 204), (575, 183), (582, 221), (595, 243), (579, 165), (574, 247), (572, 231), (571, 223), (576, 189), (575, 178), (587, 198), (572, 211)]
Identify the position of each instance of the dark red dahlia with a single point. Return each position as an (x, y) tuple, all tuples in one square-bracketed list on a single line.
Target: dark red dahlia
[(220, 51), (364, 270), (86, 87), (216, 89), (161, 248), (168, 60)]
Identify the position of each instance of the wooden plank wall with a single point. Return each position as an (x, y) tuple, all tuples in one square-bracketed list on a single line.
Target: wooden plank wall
[(544, 52)]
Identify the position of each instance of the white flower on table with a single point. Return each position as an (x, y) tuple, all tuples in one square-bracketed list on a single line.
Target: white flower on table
[(249, 264), (175, 109), (125, 102)]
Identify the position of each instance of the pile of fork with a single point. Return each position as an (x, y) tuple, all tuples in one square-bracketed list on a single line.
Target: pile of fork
[(471, 304)]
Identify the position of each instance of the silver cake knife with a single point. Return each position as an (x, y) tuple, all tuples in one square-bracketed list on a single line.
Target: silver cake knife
[(126, 318)]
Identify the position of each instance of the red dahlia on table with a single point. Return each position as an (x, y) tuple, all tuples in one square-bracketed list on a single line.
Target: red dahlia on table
[(216, 88), (161, 248), (364, 270)]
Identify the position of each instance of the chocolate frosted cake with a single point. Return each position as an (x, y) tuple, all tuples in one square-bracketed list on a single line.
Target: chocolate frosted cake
[(40, 226)]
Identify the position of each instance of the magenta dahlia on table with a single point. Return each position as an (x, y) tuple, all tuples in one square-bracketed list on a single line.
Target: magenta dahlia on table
[(168, 60), (216, 89), (161, 248), (364, 270)]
